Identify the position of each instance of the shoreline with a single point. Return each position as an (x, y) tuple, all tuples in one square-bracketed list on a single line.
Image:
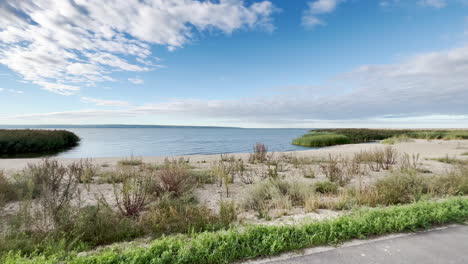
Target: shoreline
[(426, 148)]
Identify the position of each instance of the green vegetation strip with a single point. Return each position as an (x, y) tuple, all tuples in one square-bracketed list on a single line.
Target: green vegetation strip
[(33, 141), (258, 241), (341, 136)]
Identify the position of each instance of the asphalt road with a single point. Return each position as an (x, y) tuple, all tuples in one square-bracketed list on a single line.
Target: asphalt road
[(448, 246)]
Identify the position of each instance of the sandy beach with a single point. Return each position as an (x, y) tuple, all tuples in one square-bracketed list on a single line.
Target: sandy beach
[(211, 194)]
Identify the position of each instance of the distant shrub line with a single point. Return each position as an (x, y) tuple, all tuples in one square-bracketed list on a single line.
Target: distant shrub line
[(32, 141), (258, 241), (330, 137)]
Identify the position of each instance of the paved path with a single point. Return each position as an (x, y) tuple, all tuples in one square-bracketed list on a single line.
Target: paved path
[(446, 245)]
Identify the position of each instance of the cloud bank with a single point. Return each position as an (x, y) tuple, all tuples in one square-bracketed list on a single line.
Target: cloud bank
[(63, 45), (426, 85)]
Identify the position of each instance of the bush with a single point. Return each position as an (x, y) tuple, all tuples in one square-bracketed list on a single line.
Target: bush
[(174, 179), (29, 141), (453, 183), (397, 188), (99, 225), (256, 241), (7, 190), (181, 215), (326, 187), (276, 194), (336, 170), (321, 140), (133, 194), (259, 154)]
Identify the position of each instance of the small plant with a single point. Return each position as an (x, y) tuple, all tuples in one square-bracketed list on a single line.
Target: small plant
[(83, 171), (326, 187), (132, 161), (259, 154), (308, 172), (227, 212), (409, 163), (334, 171), (132, 195), (464, 154), (175, 179), (223, 172)]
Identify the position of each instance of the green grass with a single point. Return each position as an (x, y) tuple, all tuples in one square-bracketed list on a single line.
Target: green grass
[(321, 140), (464, 154), (339, 136), (259, 241), (32, 141), (452, 161)]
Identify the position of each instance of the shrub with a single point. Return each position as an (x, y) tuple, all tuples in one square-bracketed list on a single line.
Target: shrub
[(326, 187), (227, 212), (83, 170), (133, 194), (259, 154), (28, 141), (335, 170), (397, 188), (378, 159), (173, 179), (132, 161), (276, 194), (181, 215), (99, 225), (7, 190), (321, 140), (453, 183)]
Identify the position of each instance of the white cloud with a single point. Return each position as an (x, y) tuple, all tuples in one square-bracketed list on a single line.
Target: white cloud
[(431, 84), (100, 102), (433, 3), (310, 19), (62, 45), (136, 80), (11, 91)]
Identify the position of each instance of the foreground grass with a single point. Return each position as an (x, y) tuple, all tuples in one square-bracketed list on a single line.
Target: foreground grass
[(29, 141), (258, 241), (362, 135)]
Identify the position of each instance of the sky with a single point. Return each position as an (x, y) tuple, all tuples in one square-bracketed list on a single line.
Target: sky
[(252, 63)]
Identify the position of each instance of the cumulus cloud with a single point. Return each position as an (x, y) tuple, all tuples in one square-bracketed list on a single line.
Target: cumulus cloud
[(100, 102), (433, 3), (62, 45), (311, 19), (136, 80)]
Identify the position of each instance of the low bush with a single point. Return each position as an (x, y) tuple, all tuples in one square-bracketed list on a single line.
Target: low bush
[(132, 161), (182, 215), (173, 179), (32, 141), (321, 140), (326, 187), (276, 194), (454, 182), (256, 241), (259, 154), (7, 190), (397, 188)]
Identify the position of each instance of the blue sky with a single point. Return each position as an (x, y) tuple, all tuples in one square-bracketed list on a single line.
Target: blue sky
[(319, 63)]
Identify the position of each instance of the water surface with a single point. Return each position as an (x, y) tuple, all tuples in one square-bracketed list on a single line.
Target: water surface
[(120, 142)]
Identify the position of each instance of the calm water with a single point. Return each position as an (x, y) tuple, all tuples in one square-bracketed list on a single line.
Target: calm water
[(119, 142)]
